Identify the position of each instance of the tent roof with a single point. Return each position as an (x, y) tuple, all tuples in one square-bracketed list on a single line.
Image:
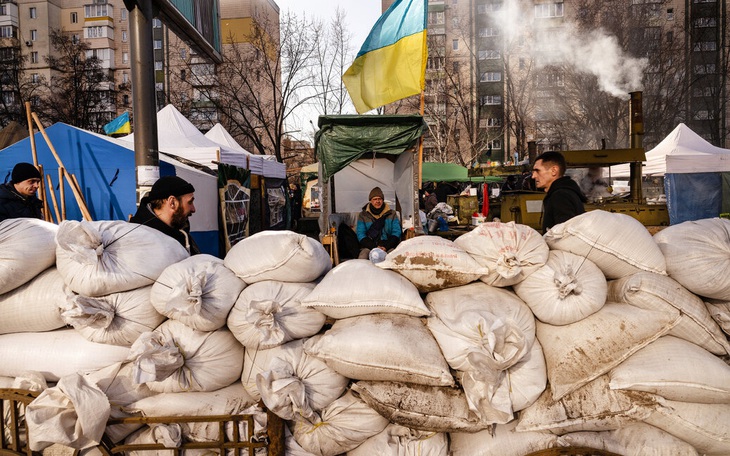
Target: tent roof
[(681, 151), (264, 165)]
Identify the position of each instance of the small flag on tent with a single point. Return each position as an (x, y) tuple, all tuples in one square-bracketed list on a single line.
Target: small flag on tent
[(120, 125), (391, 64)]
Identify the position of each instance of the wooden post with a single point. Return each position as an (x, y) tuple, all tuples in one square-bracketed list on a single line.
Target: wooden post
[(42, 190), (62, 193), (30, 132), (53, 197)]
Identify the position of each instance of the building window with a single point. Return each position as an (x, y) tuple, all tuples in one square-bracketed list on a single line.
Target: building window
[(6, 31), (488, 31), (74, 18), (491, 76), (435, 63), (34, 78), (124, 36), (494, 122), (75, 38), (98, 10), (496, 144), (708, 68), (455, 45), (34, 57), (436, 18), (157, 44), (156, 23), (489, 54), (544, 10), (33, 35), (491, 100), (183, 54), (455, 22), (94, 32), (183, 75), (670, 14), (703, 22), (125, 100), (158, 65), (33, 12), (705, 46), (125, 57), (125, 77), (488, 8), (124, 14), (456, 66)]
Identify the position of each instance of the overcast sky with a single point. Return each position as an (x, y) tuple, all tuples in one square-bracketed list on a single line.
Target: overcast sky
[(360, 16)]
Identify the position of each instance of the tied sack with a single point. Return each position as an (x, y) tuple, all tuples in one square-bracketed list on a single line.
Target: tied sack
[(432, 263), (511, 251), (33, 307), (28, 248), (283, 256), (198, 291), (400, 440), (617, 243), (101, 258)]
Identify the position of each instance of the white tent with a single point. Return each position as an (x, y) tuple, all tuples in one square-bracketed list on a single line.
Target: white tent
[(176, 135), (263, 165), (682, 151)]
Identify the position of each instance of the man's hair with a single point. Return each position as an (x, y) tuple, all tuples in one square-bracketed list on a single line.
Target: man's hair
[(554, 158)]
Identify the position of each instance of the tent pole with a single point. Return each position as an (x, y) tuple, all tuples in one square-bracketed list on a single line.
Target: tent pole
[(53, 197), (30, 133), (62, 194)]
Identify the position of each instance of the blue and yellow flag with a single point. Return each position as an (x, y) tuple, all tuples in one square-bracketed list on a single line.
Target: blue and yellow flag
[(119, 126), (391, 64)]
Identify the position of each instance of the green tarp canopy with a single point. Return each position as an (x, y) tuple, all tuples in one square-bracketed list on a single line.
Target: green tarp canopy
[(450, 172), (341, 140)]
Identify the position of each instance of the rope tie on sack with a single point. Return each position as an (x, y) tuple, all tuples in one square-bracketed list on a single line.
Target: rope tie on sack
[(566, 282)]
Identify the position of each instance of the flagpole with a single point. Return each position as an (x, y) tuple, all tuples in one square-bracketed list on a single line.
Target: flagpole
[(420, 145)]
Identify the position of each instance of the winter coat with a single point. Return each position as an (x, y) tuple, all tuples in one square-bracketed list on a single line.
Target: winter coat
[(564, 200), (390, 233), (145, 216), (14, 205)]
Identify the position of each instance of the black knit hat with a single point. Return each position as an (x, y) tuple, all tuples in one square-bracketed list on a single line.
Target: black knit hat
[(167, 186), (24, 171)]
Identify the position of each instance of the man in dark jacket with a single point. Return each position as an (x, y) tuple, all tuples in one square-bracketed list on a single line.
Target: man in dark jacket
[(18, 197), (167, 208), (564, 199), (377, 225)]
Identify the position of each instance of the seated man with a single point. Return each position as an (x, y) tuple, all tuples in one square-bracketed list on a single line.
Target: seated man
[(377, 225)]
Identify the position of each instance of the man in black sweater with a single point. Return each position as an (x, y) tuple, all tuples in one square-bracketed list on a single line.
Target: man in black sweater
[(18, 197), (564, 199)]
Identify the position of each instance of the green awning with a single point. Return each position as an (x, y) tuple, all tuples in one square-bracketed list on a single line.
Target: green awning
[(341, 140)]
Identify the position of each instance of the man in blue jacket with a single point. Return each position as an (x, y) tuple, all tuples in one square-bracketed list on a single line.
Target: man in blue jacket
[(377, 225), (564, 199)]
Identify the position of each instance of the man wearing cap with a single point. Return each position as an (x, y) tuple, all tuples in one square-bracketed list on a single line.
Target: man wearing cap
[(167, 208), (377, 225), (18, 197)]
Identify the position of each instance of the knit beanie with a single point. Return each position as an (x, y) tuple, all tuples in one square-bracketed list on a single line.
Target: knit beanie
[(167, 186), (376, 192), (24, 171)]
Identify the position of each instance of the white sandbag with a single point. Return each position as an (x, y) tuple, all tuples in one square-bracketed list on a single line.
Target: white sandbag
[(34, 306), (500, 440), (198, 291), (382, 347), (255, 362), (426, 408), (566, 289), (117, 383), (368, 289), (484, 332), (511, 251), (397, 440), (115, 319), (676, 370), (231, 400), (592, 407), (636, 439), (617, 243), (695, 325), (175, 358), (291, 447), (582, 351), (270, 313), (433, 263), (55, 354), (101, 258), (296, 384), (283, 256), (698, 255), (720, 312), (27, 248), (704, 426), (72, 413), (344, 425)]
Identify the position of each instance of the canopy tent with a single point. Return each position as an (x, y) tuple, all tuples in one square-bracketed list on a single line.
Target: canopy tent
[(362, 152), (450, 172), (262, 165), (106, 170), (681, 151)]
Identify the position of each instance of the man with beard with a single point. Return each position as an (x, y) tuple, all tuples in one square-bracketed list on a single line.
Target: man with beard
[(564, 199), (378, 226), (167, 207), (18, 197)]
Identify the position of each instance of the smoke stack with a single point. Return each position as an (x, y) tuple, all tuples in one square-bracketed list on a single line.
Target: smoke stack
[(636, 141)]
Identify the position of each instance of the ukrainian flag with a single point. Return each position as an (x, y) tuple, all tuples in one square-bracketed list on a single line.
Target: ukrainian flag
[(118, 126), (391, 64)]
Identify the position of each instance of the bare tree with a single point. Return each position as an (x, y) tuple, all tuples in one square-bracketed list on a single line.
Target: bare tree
[(80, 92), (333, 53), (17, 86)]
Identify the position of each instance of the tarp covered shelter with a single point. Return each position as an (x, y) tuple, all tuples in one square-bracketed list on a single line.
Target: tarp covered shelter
[(262, 165), (450, 172), (106, 171), (362, 152)]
